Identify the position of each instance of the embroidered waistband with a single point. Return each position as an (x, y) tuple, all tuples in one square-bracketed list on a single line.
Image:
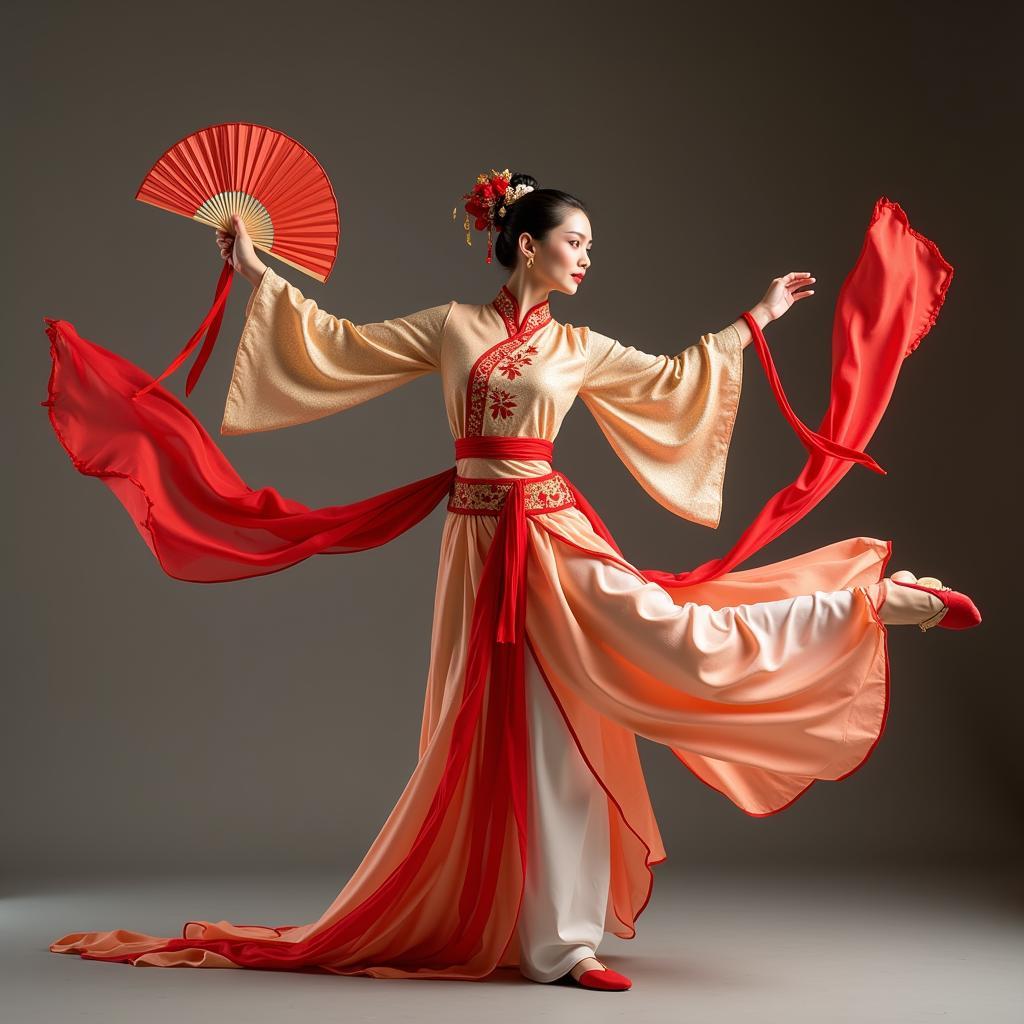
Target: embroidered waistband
[(486, 497)]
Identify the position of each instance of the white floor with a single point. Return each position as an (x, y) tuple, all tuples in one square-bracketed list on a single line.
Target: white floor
[(729, 946)]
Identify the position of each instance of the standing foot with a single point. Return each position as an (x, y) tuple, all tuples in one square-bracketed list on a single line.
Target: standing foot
[(591, 973), (590, 963)]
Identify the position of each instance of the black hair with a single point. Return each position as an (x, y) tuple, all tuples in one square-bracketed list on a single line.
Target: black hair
[(535, 212)]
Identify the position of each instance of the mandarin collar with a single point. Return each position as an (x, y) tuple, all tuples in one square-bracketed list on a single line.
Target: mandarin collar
[(508, 308)]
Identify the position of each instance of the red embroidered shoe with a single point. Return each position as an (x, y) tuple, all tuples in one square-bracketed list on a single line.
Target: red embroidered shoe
[(606, 980), (961, 612)]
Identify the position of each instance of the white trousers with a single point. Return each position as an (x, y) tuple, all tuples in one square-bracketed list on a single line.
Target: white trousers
[(565, 898)]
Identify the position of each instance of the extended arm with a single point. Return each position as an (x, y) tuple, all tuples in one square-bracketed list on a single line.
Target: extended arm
[(296, 363)]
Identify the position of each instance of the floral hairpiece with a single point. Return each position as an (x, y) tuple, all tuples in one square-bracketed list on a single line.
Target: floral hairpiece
[(488, 200)]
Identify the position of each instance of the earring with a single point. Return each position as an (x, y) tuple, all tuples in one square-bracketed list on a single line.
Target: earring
[(529, 263)]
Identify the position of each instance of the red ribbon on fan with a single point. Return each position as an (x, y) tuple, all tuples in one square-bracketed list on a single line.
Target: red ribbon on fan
[(274, 184)]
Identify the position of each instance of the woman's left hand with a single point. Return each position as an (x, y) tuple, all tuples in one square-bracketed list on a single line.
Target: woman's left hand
[(782, 293)]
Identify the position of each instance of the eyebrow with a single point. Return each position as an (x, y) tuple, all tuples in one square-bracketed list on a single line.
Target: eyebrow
[(580, 233)]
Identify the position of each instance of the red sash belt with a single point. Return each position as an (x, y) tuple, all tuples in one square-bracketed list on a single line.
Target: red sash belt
[(506, 558)]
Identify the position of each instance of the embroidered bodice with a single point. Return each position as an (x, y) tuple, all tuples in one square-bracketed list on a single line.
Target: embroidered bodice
[(498, 370)]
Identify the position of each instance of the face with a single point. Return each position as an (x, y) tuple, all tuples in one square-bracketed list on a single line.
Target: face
[(565, 252)]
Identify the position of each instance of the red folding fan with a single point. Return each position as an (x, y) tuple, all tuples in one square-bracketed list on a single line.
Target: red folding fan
[(274, 184)]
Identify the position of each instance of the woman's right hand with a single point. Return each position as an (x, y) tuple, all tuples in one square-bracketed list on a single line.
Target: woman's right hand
[(238, 248)]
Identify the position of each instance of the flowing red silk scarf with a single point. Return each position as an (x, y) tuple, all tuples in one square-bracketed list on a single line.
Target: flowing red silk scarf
[(204, 524)]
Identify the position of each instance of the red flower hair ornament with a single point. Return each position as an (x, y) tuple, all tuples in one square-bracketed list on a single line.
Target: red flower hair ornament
[(488, 201)]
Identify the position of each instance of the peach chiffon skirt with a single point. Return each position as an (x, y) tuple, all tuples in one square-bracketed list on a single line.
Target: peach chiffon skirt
[(760, 681)]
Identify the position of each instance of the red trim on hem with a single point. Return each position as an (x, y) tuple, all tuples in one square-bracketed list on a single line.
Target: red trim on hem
[(885, 710), (881, 727)]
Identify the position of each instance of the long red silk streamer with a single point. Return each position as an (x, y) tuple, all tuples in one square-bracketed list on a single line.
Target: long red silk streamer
[(204, 524), (811, 439)]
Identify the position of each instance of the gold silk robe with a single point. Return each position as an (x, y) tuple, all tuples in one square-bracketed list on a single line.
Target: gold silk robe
[(760, 681)]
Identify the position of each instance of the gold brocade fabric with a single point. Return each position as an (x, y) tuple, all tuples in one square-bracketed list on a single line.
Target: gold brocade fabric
[(475, 496)]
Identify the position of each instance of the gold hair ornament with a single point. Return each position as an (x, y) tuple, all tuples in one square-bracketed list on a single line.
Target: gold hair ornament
[(488, 200)]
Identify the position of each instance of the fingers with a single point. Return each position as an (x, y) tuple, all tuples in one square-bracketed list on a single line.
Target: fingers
[(794, 280), (226, 244)]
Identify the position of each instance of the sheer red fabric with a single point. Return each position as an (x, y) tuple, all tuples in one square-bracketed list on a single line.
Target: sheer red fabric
[(204, 524)]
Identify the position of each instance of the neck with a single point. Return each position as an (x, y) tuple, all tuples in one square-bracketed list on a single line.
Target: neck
[(526, 289)]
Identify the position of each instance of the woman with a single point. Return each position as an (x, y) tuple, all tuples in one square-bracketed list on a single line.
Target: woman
[(525, 831)]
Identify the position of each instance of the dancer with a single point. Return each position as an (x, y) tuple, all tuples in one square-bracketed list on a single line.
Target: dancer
[(526, 832)]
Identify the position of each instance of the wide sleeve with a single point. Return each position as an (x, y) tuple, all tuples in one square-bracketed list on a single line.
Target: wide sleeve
[(296, 363), (669, 418)]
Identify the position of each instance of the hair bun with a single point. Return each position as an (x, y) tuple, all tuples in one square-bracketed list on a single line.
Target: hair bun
[(518, 186), (522, 179)]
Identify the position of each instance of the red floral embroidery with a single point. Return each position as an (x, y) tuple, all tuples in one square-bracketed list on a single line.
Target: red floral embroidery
[(512, 367), (502, 403)]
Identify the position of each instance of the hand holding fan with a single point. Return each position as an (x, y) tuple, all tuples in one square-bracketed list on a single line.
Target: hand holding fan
[(277, 188)]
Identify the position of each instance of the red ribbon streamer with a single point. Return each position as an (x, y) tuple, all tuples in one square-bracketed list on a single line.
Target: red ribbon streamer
[(211, 322), (808, 436)]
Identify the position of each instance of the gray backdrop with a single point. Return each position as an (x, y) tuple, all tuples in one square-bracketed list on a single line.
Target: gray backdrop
[(152, 724)]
